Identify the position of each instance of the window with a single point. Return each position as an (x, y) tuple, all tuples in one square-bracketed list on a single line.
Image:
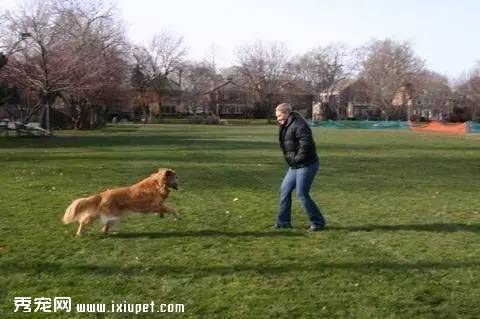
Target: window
[(168, 109)]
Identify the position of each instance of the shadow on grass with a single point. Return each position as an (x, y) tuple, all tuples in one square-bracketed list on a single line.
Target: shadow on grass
[(440, 228), (200, 139), (142, 140), (437, 227), (232, 269), (208, 233)]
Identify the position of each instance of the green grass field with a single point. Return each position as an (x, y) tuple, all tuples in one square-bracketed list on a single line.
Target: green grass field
[(403, 213)]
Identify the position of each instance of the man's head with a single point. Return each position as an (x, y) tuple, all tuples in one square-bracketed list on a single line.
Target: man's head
[(282, 112)]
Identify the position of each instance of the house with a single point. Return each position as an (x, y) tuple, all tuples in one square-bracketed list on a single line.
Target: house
[(297, 94), (157, 103), (426, 103), (347, 99), (231, 100), (227, 100)]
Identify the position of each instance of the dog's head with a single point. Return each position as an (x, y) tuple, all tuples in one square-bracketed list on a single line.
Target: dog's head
[(167, 177)]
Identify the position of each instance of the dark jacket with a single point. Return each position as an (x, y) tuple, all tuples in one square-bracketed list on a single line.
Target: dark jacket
[(296, 141)]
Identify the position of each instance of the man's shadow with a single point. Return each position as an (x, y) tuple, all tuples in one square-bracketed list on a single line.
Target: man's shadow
[(209, 233), (435, 227)]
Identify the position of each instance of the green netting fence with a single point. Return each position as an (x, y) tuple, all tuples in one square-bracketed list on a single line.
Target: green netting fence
[(363, 124), (472, 127)]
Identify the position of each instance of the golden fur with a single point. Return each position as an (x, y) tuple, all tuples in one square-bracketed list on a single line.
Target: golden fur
[(146, 196)]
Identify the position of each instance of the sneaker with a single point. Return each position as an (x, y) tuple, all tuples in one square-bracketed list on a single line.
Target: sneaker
[(316, 228)]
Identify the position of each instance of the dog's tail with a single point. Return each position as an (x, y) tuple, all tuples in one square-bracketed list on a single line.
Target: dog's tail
[(80, 206)]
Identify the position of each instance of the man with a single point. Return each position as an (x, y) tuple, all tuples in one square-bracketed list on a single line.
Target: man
[(299, 150)]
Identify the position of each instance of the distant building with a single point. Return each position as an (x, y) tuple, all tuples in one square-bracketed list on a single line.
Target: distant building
[(295, 94), (348, 99), (423, 104), (227, 100), (157, 103), (231, 100)]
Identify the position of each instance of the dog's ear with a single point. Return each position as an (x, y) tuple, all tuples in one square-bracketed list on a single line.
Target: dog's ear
[(167, 172), (170, 173)]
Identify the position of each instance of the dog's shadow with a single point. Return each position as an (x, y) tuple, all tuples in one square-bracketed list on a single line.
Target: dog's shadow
[(208, 233)]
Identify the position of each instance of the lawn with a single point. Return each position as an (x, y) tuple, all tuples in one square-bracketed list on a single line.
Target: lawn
[(403, 214)]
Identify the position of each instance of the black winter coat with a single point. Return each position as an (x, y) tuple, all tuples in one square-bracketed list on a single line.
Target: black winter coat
[(297, 143)]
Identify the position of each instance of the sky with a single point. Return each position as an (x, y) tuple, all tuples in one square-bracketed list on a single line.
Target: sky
[(443, 32)]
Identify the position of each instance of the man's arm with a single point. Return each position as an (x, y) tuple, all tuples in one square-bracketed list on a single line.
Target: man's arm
[(305, 142)]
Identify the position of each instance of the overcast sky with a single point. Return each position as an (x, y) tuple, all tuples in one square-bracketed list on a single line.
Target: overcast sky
[(443, 32)]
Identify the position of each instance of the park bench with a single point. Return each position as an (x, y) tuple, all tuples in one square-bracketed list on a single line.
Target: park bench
[(8, 127)]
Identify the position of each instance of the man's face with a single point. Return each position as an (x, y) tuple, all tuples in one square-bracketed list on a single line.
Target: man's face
[(281, 117)]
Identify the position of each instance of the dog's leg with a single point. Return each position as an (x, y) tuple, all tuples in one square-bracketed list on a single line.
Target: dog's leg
[(108, 223), (79, 230), (106, 227), (168, 210), (81, 226), (84, 221)]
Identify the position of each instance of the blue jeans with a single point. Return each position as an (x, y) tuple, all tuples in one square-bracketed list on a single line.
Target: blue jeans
[(300, 179)]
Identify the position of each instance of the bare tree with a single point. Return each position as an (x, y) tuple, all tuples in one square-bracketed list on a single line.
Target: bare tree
[(469, 89), (98, 38), (430, 93), (198, 78), (141, 80), (261, 68), (387, 66), (323, 69), (30, 68), (67, 52), (158, 64)]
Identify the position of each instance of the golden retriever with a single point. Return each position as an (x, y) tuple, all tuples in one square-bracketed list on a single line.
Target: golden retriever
[(146, 196)]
